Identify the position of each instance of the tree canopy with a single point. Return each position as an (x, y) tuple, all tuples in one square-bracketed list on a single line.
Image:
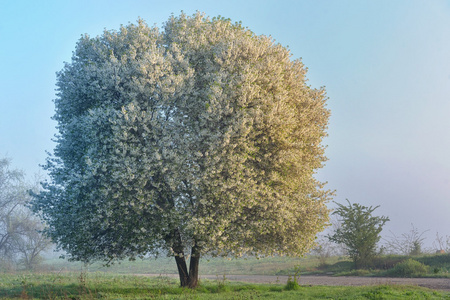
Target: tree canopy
[(200, 137)]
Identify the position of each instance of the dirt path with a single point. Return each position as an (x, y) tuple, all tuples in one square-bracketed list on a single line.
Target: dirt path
[(432, 283)]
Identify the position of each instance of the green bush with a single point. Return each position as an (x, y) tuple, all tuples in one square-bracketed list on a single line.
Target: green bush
[(292, 284), (408, 268), (359, 232)]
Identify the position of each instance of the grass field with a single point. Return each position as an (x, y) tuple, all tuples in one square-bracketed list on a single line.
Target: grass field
[(435, 266), (59, 279), (212, 266), (113, 286)]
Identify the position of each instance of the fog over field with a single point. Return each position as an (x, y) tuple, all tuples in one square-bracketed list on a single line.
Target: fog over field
[(385, 66)]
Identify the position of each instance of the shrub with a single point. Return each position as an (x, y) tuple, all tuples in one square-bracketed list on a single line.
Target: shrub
[(292, 284), (359, 231), (408, 268)]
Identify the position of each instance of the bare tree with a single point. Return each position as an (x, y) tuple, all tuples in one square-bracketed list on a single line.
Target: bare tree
[(441, 244), (409, 243), (30, 243), (20, 237), (324, 250)]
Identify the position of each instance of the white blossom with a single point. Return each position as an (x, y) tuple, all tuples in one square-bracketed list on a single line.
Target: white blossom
[(201, 133)]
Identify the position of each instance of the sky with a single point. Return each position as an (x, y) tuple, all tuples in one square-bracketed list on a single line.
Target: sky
[(385, 66)]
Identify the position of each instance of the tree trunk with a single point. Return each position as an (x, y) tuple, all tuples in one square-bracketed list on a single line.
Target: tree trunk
[(187, 279), (180, 259), (182, 270), (193, 267)]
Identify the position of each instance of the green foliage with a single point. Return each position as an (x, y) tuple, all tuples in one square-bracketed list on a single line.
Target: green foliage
[(291, 285), (408, 268), (359, 232), (200, 136), (416, 248), (292, 282)]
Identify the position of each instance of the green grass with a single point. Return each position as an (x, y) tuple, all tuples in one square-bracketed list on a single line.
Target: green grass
[(113, 286), (437, 266), (211, 266)]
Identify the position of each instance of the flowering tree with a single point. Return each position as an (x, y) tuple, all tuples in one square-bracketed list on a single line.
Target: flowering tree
[(199, 138)]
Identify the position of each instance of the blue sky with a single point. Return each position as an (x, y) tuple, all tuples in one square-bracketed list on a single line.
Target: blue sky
[(385, 66)]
